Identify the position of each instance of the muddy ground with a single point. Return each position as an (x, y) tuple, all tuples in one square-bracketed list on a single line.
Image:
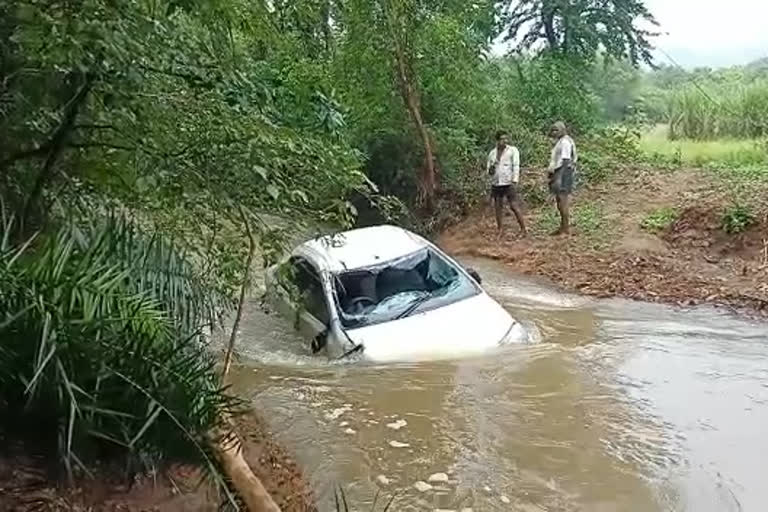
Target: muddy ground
[(28, 484), (691, 261)]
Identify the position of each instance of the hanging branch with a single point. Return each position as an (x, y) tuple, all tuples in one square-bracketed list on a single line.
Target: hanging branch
[(55, 147), (243, 291)]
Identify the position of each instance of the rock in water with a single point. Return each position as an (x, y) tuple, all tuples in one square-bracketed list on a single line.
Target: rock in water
[(422, 486), (438, 478), (397, 425)]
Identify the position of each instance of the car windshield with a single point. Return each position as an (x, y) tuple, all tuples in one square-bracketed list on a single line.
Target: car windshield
[(420, 281)]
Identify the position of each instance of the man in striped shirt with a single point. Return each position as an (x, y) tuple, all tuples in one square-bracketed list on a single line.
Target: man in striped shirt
[(504, 166)]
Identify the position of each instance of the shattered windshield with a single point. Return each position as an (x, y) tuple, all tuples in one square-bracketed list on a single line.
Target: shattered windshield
[(420, 281)]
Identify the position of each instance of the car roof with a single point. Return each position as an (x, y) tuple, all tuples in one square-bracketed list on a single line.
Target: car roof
[(363, 247)]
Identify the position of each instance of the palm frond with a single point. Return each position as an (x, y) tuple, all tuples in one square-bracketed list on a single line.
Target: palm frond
[(101, 328)]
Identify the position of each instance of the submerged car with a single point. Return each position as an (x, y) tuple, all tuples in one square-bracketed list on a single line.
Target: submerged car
[(389, 295)]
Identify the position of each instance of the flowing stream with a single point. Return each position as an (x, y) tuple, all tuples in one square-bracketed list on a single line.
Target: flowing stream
[(620, 406)]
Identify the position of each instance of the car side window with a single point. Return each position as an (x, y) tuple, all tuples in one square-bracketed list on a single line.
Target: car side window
[(310, 288)]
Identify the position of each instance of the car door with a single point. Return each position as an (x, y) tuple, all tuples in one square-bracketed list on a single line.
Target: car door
[(304, 293)]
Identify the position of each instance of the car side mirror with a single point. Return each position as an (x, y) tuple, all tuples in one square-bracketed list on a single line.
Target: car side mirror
[(475, 275)]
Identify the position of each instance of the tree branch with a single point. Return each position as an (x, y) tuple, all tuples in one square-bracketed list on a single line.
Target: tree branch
[(56, 145), (106, 145), (21, 155), (243, 291)]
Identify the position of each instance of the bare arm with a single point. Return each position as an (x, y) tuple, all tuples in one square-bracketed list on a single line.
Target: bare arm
[(490, 164), (515, 166)]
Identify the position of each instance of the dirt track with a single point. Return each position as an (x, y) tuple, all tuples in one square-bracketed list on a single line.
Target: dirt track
[(690, 262)]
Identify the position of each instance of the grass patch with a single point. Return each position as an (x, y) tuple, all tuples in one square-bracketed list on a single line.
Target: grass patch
[(547, 221), (737, 218), (659, 220), (587, 219), (656, 145)]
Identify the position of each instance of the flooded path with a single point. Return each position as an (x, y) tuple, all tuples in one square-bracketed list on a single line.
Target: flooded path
[(620, 406)]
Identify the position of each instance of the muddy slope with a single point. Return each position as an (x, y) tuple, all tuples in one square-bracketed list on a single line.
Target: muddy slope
[(690, 261)]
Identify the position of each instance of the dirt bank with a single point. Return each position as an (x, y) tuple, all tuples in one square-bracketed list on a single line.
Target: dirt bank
[(27, 483), (690, 260)]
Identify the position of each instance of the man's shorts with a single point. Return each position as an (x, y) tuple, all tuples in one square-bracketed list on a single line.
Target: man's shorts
[(502, 191), (561, 181)]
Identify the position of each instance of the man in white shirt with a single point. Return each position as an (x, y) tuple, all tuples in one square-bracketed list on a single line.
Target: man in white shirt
[(504, 166), (561, 168)]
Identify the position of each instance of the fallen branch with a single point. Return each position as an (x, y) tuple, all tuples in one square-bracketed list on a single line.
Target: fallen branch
[(229, 450)]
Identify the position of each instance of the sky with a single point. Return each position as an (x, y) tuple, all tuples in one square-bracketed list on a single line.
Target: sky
[(711, 33)]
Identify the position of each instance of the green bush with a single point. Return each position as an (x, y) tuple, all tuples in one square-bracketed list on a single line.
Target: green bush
[(607, 150), (737, 218), (102, 344), (660, 219)]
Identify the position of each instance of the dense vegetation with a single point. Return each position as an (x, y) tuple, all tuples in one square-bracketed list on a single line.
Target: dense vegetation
[(698, 104)]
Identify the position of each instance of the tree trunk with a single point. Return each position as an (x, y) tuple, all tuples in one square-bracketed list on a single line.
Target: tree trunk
[(55, 147), (548, 18), (327, 30), (243, 292), (229, 451), (428, 174)]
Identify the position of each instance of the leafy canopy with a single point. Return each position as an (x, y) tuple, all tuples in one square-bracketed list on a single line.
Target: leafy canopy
[(582, 28)]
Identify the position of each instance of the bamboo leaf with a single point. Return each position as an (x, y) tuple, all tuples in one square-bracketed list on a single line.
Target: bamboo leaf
[(148, 423)]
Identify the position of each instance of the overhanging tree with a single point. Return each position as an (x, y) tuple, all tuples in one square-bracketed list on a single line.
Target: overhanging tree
[(581, 28), (398, 58)]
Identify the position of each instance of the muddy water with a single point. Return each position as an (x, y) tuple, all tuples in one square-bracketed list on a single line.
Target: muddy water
[(620, 406)]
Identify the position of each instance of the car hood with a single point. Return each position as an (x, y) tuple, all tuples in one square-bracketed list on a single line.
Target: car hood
[(471, 326)]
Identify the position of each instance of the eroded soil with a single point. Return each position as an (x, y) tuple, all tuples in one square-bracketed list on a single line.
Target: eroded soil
[(691, 261), (27, 483)]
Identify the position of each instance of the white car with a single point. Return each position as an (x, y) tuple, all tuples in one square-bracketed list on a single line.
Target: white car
[(388, 295)]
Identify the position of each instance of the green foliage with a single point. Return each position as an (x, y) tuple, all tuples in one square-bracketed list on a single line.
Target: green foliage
[(102, 346), (617, 84), (546, 222), (608, 150), (731, 111), (442, 47), (552, 88), (659, 219), (732, 153), (581, 28), (588, 216), (705, 104), (181, 116), (737, 218)]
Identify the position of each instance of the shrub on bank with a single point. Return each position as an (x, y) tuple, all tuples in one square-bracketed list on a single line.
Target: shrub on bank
[(102, 350), (737, 218)]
